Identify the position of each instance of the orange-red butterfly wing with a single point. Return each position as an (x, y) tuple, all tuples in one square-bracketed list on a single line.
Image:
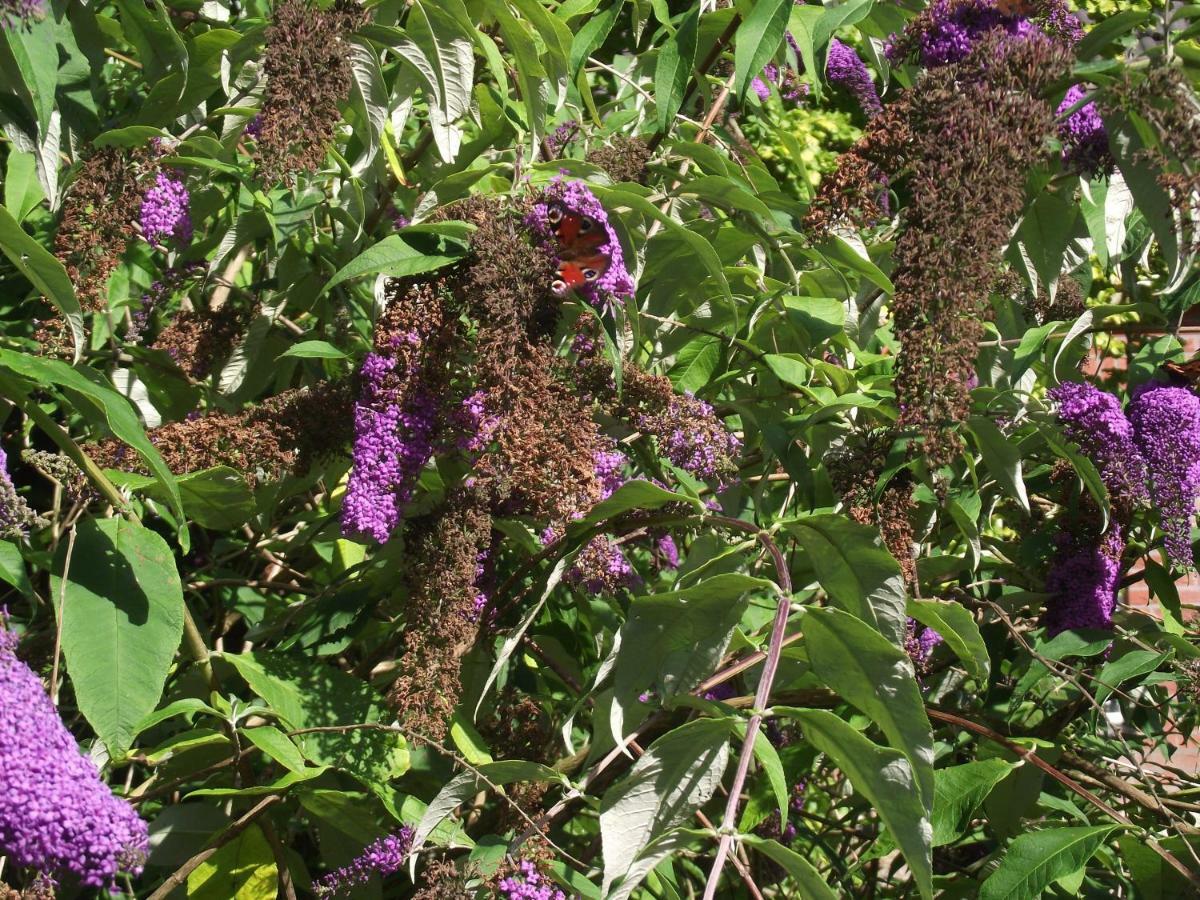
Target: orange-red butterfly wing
[(575, 273), (1188, 372), (576, 234)]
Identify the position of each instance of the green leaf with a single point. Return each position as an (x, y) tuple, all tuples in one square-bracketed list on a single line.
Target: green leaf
[(672, 641), (791, 370), (676, 775), (756, 40), (277, 745), (1001, 456), (725, 193), (12, 568), (531, 74), (216, 498), (957, 793), (695, 363), (812, 885), (873, 674), (397, 256), (956, 625), (635, 494), (1036, 860), (22, 193), (672, 71), (313, 350), (1129, 665), (44, 270), (118, 412), (308, 694), (159, 47), (441, 52), (881, 775), (122, 619), (557, 39), (33, 51), (244, 869), (592, 34), (856, 570), (768, 758)]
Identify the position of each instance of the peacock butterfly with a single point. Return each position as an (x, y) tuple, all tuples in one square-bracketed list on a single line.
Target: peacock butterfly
[(579, 238)]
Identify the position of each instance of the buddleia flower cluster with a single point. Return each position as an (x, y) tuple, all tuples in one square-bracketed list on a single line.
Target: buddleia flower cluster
[(15, 14), (845, 68), (463, 363), (1083, 135), (381, 858), (164, 215), (947, 31), (528, 883), (1166, 425), (57, 817)]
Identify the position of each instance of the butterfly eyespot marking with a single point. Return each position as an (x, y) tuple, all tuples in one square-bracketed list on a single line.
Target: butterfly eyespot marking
[(586, 225), (558, 286), (590, 274), (554, 215)]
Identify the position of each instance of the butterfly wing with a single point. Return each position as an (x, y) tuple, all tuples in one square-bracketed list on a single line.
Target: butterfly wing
[(579, 238), (1186, 372), (575, 273)]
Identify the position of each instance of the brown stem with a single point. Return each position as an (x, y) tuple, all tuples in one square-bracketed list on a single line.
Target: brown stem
[(761, 698), (1067, 781), (701, 70), (179, 876)]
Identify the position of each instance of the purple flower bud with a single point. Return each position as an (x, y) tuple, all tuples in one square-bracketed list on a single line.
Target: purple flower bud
[(528, 884), (1084, 137)]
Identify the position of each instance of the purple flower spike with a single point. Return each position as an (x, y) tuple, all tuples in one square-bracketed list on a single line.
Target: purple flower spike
[(57, 816), (384, 857), (18, 13), (1083, 581), (164, 215), (846, 69), (392, 443), (1093, 419), (1166, 426)]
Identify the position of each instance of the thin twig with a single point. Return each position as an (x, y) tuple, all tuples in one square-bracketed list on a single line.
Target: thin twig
[(761, 699), (179, 876), (62, 607), (1062, 778)]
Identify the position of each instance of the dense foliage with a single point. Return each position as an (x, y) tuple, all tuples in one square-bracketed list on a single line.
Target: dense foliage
[(537, 449)]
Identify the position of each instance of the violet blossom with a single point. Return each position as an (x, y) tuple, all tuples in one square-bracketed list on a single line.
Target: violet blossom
[(1166, 426), (1092, 419), (383, 857), (57, 816), (1083, 581), (1083, 135), (528, 884), (164, 213)]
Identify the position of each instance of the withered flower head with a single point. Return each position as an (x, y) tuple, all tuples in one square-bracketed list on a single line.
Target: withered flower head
[(975, 130), (307, 65), (97, 219), (624, 158), (198, 339)]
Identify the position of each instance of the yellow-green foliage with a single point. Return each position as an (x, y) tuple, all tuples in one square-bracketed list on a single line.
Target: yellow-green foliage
[(813, 134), (1101, 9)]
